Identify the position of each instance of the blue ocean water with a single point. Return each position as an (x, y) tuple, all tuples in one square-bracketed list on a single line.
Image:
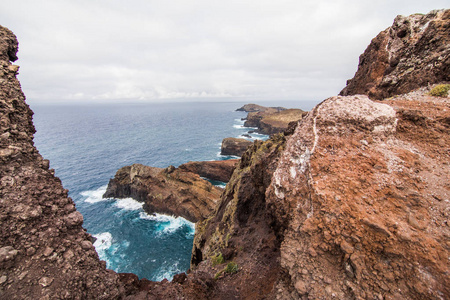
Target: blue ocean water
[(87, 144)]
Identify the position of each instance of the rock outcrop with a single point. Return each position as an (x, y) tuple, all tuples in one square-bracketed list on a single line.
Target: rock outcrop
[(270, 120), (351, 203), (167, 191), (234, 146), (220, 170), (44, 251), (412, 53), (256, 108), (361, 192)]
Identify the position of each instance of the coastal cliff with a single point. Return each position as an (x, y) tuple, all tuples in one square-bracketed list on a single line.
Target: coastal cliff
[(171, 191), (412, 53), (44, 251), (352, 202)]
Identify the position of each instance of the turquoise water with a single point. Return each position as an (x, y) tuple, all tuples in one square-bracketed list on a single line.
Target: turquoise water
[(87, 144)]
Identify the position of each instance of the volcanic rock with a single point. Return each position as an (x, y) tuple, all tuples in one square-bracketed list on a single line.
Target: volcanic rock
[(412, 53), (36, 228), (220, 170), (257, 108), (169, 191), (234, 146), (270, 120)]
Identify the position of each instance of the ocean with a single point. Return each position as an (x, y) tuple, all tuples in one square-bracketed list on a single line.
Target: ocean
[(87, 144)]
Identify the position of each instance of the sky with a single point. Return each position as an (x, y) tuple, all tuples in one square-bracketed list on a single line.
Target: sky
[(198, 50)]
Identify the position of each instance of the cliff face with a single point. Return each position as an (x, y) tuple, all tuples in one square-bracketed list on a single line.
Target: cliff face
[(412, 53), (44, 251), (220, 170), (169, 191), (270, 120), (352, 203), (362, 194)]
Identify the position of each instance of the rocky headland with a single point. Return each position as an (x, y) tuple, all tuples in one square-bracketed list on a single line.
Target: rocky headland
[(351, 202), (219, 170), (171, 191), (234, 146), (270, 120)]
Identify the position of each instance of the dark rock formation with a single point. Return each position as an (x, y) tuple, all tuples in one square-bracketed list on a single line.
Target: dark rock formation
[(241, 230), (169, 191), (220, 170), (270, 120), (44, 251), (279, 122), (234, 146), (413, 52), (256, 108)]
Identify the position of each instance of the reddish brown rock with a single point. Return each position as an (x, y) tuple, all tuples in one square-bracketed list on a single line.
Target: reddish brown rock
[(359, 192), (220, 170), (412, 53), (234, 146), (169, 191), (44, 251)]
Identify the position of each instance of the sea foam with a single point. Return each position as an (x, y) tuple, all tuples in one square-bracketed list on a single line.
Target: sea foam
[(94, 196), (168, 224), (128, 204)]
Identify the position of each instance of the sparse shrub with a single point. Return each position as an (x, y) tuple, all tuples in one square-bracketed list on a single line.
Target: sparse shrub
[(440, 90), (217, 259), (231, 267)]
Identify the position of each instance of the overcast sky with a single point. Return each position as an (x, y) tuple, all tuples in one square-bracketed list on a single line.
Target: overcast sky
[(146, 50)]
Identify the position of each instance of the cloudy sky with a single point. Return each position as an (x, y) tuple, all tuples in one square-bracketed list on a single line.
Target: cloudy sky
[(165, 50)]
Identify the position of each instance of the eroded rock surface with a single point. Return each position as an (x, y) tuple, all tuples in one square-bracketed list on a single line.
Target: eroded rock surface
[(412, 53), (234, 146), (169, 191), (220, 170), (362, 194), (270, 120), (44, 251)]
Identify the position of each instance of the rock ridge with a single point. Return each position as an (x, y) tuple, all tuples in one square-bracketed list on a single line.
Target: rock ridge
[(412, 53)]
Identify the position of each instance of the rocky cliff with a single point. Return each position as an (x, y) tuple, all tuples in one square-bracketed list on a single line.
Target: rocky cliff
[(412, 53), (234, 146), (270, 120), (351, 203), (44, 251), (169, 191), (220, 170)]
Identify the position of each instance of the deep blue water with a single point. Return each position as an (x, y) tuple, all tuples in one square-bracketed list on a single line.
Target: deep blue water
[(87, 144)]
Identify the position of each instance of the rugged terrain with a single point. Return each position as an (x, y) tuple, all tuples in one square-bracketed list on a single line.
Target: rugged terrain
[(220, 170), (234, 146), (44, 251), (171, 191), (352, 202), (412, 53), (270, 120)]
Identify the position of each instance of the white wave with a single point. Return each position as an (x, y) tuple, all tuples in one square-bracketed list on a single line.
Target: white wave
[(239, 121), (229, 156), (95, 196), (155, 217), (169, 224), (167, 272), (128, 204), (102, 244)]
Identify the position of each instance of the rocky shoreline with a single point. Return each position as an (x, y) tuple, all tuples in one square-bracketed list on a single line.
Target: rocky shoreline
[(352, 202)]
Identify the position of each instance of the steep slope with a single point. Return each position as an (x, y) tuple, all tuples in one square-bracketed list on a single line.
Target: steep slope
[(412, 53), (44, 251), (362, 192)]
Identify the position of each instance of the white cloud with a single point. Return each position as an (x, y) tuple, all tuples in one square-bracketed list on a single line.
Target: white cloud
[(108, 50)]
